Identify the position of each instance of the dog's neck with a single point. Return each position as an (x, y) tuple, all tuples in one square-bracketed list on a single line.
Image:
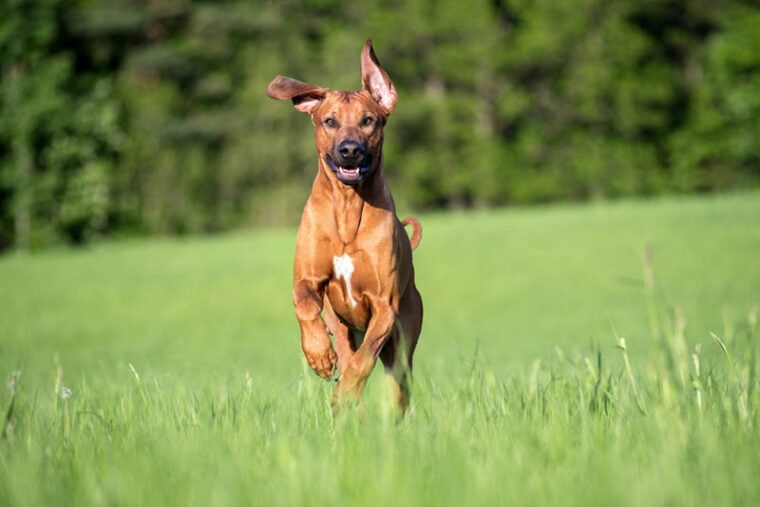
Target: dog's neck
[(349, 202), (348, 205)]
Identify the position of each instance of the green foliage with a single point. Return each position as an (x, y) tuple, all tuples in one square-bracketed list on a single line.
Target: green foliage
[(62, 145), (720, 146), (169, 371), (126, 116)]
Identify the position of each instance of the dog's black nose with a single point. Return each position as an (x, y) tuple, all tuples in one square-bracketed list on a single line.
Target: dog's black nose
[(351, 151)]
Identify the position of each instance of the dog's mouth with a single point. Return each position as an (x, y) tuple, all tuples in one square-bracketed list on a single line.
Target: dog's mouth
[(349, 175)]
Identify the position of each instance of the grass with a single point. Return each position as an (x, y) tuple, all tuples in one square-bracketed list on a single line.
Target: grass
[(575, 355)]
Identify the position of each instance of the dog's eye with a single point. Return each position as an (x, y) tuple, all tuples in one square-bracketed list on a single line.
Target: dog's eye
[(367, 121), (330, 123)]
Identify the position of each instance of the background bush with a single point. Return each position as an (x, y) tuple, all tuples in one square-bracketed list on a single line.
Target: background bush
[(123, 117)]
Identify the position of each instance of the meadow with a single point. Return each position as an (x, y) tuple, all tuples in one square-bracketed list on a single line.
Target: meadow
[(599, 354)]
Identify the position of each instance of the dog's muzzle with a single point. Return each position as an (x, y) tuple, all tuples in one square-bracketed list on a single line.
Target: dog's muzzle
[(350, 162)]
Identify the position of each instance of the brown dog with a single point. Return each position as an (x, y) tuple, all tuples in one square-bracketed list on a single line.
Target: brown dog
[(353, 257)]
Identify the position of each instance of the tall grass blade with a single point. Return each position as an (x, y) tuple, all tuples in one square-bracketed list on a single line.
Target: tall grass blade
[(8, 420), (631, 377)]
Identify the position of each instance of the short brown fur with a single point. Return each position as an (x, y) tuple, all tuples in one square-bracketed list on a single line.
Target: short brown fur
[(353, 275)]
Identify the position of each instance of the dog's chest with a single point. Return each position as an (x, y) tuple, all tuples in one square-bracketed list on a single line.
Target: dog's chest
[(347, 286), (343, 269)]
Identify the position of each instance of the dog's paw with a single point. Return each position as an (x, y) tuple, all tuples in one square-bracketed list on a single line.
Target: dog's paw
[(347, 390), (323, 362)]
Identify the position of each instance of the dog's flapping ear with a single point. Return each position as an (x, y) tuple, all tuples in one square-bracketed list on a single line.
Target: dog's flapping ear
[(305, 97), (376, 80)]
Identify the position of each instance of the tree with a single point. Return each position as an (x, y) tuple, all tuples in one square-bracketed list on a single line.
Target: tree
[(31, 97), (126, 115), (719, 147), (62, 141)]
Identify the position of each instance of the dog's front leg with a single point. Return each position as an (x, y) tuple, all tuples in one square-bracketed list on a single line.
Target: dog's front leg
[(363, 361), (315, 341)]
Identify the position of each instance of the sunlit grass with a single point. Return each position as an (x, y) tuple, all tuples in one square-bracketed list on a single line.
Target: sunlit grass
[(602, 355)]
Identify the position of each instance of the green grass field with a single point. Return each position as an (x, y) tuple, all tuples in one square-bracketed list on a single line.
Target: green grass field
[(169, 372)]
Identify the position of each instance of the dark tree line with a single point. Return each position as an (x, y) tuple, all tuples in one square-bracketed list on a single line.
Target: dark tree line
[(149, 116)]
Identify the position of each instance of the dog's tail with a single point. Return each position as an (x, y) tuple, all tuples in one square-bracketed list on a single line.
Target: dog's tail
[(416, 236)]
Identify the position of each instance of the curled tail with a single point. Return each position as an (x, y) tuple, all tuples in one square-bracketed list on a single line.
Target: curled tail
[(416, 236)]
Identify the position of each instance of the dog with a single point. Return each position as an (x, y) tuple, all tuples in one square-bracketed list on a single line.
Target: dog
[(353, 259)]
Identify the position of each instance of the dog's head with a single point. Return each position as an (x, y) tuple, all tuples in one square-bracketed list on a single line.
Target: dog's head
[(349, 124)]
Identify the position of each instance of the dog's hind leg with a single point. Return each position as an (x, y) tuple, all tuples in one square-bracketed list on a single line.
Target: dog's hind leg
[(399, 351), (397, 361)]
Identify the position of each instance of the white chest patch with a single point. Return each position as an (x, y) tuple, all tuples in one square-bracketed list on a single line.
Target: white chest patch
[(344, 268)]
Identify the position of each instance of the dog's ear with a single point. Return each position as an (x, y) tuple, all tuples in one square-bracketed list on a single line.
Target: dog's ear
[(376, 80), (305, 97)]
